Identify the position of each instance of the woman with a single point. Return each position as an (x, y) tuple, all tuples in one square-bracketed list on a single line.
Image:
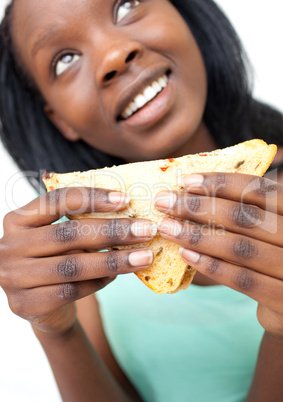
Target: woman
[(86, 71)]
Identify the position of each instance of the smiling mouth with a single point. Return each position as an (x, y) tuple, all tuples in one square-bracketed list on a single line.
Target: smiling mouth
[(146, 96)]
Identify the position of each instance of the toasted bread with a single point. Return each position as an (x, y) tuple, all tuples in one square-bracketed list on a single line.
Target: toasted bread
[(143, 180)]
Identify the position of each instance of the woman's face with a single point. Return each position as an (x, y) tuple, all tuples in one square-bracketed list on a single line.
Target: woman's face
[(127, 77)]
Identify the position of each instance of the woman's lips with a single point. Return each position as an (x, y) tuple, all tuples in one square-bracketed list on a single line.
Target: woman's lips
[(152, 111), (147, 95)]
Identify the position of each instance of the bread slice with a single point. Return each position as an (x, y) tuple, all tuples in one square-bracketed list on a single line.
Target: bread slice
[(143, 180)]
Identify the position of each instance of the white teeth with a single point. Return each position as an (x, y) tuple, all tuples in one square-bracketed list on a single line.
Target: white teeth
[(148, 94), (128, 111), (133, 107), (140, 101), (162, 82), (156, 86)]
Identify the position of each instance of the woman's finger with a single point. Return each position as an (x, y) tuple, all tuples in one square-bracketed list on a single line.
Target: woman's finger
[(75, 268), (36, 303), (52, 206), (233, 216), (84, 234), (259, 191), (264, 289), (227, 246)]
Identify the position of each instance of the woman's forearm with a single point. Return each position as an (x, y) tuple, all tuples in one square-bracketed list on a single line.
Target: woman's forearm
[(79, 371), (268, 379)]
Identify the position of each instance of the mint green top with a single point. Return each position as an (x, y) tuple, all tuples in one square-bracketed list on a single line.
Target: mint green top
[(198, 345)]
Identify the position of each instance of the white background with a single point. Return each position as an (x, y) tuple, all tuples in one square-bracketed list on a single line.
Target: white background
[(24, 372)]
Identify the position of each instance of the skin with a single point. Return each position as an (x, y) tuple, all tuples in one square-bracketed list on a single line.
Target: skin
[(60, 262), (247, 256), (84, 88)]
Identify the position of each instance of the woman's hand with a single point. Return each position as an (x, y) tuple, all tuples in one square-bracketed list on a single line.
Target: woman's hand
[(41, 269), (235, 235)]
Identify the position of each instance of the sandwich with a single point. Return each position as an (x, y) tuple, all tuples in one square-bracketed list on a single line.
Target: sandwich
[(143, 180)]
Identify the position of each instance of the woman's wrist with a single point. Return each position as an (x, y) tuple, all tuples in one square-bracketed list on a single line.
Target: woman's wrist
[(43, 333), (276, 338), (267, 382), (58, 323)]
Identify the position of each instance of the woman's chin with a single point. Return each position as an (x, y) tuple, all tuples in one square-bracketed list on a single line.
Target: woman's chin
[(148, 156)]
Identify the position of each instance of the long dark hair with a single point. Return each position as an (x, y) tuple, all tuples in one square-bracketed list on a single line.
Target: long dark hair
[(231, 114)]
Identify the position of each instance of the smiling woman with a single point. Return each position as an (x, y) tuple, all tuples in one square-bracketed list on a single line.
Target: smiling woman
[(124, 137), (109, 69), (85, 84)]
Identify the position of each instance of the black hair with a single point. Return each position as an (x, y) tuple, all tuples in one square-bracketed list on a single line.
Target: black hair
[(32, 140), (231, 114)]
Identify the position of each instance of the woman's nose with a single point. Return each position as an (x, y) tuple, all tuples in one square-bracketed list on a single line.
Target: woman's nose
[(117, 59)]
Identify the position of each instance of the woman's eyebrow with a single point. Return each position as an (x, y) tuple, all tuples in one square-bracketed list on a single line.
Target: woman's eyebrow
[(49, 33)]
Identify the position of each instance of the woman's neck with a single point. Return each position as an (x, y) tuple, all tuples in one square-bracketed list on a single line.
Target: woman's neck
[(201, 141)]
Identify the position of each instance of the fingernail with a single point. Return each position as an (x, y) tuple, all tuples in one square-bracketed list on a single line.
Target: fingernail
[(117, 198), (144, 229), (193, 180), (169, 227), (165, 199), (189, 255), (141, 258)]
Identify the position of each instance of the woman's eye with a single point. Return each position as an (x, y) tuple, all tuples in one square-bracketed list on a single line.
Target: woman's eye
[(65, 62), (125, 8)]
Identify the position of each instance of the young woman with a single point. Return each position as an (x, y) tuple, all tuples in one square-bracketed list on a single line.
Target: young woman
[(91, 83)]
